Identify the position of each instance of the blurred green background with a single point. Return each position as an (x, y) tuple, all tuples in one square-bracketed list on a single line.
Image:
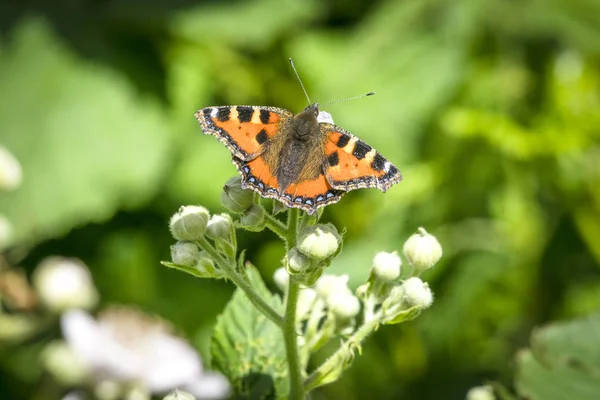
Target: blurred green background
[(491, 110)]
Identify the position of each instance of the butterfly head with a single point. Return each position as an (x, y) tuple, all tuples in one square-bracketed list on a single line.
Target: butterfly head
[(305, 123)]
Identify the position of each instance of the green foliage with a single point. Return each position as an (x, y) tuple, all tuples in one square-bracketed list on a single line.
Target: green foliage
[(563, 362), (88, 145), (248, 348)]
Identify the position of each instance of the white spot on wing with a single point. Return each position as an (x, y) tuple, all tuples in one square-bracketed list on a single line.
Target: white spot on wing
[(386, 166), (213, 112), (324, 117)]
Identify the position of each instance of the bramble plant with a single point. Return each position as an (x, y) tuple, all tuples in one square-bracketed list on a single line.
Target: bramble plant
[(263, 343)]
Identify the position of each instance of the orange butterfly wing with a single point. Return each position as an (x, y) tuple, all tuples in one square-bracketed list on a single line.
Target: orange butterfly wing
[(243, 129), (353, 164)]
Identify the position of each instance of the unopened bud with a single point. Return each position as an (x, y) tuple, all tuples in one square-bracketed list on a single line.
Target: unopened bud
[(281, 278), (344, 305), (185, 253), (306, 302), (417, 293), (328, 285), (219, 227), (64, 283), (422, 251), (386, 266), (253, 219), (319, 241), (234, 198), (64, 364), (189, 223), (481, 393), (206, 265), (297, 262)]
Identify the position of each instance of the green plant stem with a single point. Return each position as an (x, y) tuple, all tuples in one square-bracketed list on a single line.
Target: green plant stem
[(292, 227), (276, 226), (332, 368), (290, 336), (232, 274)]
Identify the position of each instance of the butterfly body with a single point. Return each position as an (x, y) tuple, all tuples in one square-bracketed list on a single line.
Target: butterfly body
[(296, 159)]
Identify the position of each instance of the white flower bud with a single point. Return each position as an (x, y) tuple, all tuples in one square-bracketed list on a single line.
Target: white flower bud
[(306, 302), (386, 266), (297, 262), (281, 278), (64, 364), (481, 393), (343, 305), (206, 265), (189, 223), (185, 253), (422, 251), (10, 170), (319, 241), (234, 198), (328, 285), (64, 283), (417, 293), (219, 227)]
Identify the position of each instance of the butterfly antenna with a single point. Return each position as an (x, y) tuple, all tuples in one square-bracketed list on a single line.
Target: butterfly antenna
[(349, 98), (300, 80)]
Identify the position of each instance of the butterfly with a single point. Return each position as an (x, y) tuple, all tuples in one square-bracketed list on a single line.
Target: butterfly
[(296, 159)]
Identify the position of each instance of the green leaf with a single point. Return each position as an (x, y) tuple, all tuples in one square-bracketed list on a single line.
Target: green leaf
[(248, 348), (563, 362), (87, 143)]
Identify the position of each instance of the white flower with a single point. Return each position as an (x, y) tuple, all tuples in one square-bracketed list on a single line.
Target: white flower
[(64, 283), (126, 346), (10, 170), (386, 266)]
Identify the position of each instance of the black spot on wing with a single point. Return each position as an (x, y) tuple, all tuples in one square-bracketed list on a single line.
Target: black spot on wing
[(245, 113), (264, 116), (262, 136), (393, 170), (343, 141), (223, 114), (333, 159), (378, 162), (360, 149)]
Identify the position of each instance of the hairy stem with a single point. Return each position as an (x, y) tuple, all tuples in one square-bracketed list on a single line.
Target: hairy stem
[(276, 226), (290, 336), (332, 368), (236, 278)]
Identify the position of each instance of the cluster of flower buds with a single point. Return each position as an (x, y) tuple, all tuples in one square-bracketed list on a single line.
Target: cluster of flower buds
[(391, 299), (328, 308), (243, 201), (317, 246), (193, 224)]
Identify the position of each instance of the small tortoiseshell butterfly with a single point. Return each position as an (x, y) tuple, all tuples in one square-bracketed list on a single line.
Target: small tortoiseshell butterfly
[(296, 159)]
